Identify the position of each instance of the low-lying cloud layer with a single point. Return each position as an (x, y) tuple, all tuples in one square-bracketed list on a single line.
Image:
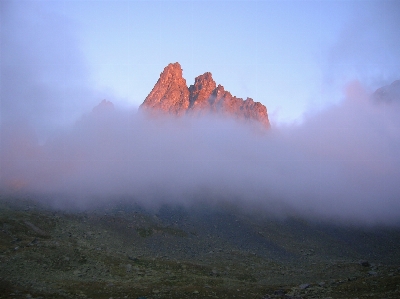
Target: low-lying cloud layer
[(341, 164)]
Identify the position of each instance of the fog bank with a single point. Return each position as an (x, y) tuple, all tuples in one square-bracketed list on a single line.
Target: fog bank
[(341, 164)]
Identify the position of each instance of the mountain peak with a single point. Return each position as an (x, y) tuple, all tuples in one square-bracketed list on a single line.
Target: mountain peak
[(103, 106), (201, 90), (172, 70), (171, 95), (388, 93)]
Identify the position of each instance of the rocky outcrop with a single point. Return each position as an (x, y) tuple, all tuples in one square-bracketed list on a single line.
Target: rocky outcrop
[(103, 107), (171, 94), (388, 93), (200, 92)]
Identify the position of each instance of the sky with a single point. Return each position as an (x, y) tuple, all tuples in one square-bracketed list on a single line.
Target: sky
[(332, 152), (292, 56)]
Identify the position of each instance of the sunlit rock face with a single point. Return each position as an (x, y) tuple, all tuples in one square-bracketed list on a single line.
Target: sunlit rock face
[(171, 95), (200, 93)]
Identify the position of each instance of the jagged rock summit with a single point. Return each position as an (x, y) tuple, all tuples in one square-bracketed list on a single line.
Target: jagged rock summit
[(171, 95)]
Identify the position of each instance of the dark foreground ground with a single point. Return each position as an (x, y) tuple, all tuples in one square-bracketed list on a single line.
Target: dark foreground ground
[(128, 252)]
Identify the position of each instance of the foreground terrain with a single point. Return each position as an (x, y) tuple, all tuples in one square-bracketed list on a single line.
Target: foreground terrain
[(125, 251)]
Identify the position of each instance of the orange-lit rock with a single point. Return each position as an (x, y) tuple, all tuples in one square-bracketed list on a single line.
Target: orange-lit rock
[(200, 93), (171, 94)]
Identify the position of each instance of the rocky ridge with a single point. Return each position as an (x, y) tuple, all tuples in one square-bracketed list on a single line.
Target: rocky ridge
[(171, 95), (103, 106), (389, 93)]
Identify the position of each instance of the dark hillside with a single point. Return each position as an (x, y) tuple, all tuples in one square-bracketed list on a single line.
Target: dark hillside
[(175, 252)]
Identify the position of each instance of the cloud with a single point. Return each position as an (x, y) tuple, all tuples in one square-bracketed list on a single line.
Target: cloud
[(367, 47), (340, 165), (44, 82)]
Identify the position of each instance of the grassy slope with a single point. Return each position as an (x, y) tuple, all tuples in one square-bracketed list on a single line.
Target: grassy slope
[(127, 252)]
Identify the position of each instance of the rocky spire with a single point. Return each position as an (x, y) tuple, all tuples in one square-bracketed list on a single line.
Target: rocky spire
[(201, 91), (170, 94)]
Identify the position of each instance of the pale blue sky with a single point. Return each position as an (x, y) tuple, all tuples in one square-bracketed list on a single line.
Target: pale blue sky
[(292, 56)]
